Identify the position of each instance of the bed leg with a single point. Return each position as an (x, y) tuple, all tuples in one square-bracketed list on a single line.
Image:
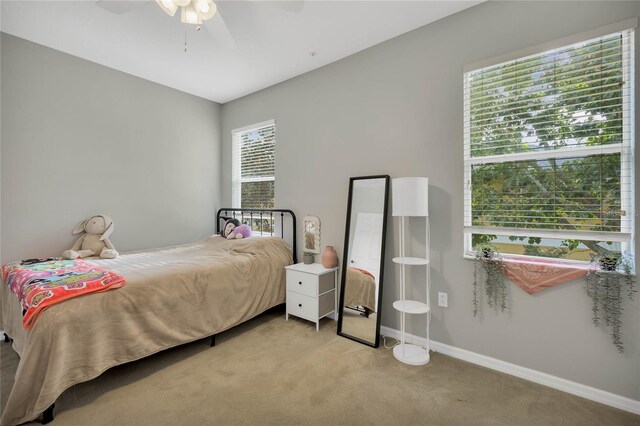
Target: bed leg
[(47, 415), (7, 339), (213, 340)]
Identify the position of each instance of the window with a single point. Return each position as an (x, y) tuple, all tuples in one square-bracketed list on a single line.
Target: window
[(548, 151), (253, 166)]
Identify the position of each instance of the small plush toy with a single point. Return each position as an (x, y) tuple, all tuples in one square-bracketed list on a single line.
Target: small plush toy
[(95, 241), (241, 231), (233, 229), (229, 225)]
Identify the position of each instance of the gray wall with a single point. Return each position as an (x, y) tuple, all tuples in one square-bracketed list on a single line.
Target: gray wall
[(396, 109), (79, 138)]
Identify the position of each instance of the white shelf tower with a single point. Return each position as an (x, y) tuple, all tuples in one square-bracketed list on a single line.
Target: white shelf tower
[(411, 199)]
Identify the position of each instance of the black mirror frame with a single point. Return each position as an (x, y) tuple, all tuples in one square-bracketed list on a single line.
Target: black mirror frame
[(345, 264)]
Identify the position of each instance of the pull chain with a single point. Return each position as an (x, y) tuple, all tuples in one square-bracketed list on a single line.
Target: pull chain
[(185, 38)]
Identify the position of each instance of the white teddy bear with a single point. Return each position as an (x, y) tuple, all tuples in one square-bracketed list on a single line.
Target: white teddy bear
[(95, 241)]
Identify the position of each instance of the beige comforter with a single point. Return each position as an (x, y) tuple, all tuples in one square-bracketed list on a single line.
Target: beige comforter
[(360, 290), (173, 295)]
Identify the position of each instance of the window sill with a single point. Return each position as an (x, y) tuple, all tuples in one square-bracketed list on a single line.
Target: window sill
[(534, 274), (577, 265), (541, 261)]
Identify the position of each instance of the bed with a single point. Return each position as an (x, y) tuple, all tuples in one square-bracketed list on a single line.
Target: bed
[(173, 295), (360, 294)]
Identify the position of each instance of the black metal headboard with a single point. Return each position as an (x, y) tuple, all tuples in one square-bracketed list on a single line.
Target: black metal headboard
[(263, 221)]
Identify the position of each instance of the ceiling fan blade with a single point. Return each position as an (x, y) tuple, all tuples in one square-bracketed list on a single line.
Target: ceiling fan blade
[(293, 6), (219, 31), (117, 6)]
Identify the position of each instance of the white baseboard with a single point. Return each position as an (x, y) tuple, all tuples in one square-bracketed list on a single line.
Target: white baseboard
[(584, 391)]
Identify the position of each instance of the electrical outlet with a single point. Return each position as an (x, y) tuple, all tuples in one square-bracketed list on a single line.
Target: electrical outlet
[(443, 299)]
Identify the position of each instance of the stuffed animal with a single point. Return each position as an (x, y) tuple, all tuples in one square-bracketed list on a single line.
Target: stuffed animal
[(233, 229), (241, 231), (229, 225), (95, 239)]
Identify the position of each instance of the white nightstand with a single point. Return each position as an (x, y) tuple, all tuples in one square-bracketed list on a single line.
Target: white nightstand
[(311, 291)]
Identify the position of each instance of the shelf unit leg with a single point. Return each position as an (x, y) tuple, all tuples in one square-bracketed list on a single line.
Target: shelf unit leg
[(428, 280), (402, 289)]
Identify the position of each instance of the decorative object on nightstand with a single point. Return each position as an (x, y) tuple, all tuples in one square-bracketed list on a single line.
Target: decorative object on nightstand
[(311, 291), (311, 234), (311, 238), (410, 198), (329, 257)]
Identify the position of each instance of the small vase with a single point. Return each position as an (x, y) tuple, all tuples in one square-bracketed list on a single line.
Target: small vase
[(487, 253), (609, 263), (308, 258), (329, 257)]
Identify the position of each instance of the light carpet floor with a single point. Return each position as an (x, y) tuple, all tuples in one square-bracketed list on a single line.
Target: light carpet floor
[(356, 325), (272, 371)]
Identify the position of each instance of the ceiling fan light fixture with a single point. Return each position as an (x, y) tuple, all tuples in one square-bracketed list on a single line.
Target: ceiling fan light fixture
[(189, 15), (206, 9), (182, 2), (169, 6)]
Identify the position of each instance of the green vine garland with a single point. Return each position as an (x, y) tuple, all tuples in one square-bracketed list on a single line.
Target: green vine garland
[(488, 272), (607, 276)]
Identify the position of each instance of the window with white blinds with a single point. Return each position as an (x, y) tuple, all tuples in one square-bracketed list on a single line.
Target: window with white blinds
[(549, 151), (253, 165)]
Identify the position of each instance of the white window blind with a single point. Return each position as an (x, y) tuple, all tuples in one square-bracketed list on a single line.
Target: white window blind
[(549, 150), (253, 165)]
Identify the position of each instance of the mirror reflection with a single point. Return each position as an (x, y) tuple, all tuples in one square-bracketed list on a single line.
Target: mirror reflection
[(360, 298)]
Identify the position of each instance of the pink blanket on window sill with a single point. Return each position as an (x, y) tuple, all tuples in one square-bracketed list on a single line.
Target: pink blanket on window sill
[(534, 275)]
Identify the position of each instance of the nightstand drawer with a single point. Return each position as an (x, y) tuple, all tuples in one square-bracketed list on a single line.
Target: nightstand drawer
[(302, 283), (302, 306)]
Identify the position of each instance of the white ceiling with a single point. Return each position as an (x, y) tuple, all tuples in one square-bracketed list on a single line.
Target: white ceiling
[(271, 44)]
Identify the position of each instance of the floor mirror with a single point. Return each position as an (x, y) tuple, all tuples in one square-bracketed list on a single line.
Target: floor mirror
[(363, 259)]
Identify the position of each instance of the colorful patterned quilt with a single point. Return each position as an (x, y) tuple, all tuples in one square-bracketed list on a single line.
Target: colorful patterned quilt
[(42, 283)]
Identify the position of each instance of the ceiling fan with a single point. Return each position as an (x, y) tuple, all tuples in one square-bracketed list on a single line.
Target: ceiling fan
[(199, 12), (191, 11)]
